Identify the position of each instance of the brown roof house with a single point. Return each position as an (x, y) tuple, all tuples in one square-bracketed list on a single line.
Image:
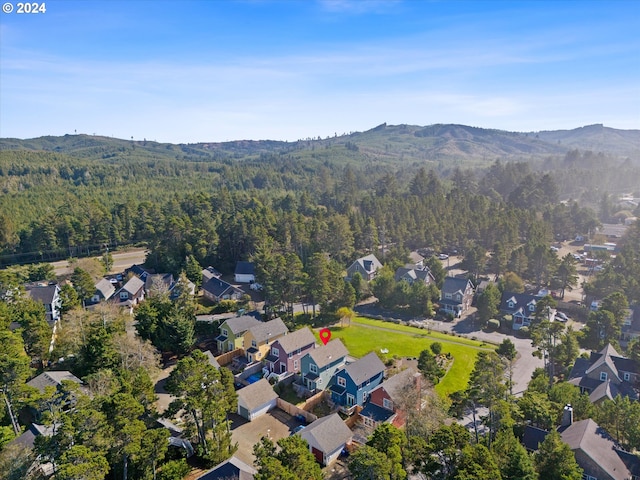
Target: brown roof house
[(327, 438), (256, 399)]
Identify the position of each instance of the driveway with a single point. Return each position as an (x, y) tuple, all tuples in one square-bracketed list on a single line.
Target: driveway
[(276, 424)]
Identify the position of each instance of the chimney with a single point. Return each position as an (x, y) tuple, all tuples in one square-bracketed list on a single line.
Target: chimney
[(567, 416)]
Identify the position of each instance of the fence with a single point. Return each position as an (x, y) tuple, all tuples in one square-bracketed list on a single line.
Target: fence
[(226, 358), (292, 410)]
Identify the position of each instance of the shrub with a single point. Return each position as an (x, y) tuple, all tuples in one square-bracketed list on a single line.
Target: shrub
[(493, 324), (174, 470), (436, 348)]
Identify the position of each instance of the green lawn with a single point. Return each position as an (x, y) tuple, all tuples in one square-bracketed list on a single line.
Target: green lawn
[(401, 341)]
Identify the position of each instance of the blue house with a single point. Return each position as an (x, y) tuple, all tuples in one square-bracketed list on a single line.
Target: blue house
[(320, 364), (352, 385)]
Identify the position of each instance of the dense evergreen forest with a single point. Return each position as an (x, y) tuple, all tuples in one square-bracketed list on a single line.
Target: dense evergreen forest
[(405, 186)]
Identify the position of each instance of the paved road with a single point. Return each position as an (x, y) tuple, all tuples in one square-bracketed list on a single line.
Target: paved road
[(121, 261)]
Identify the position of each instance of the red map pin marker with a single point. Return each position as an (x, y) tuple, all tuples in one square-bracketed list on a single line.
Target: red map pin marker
[(325, 335)]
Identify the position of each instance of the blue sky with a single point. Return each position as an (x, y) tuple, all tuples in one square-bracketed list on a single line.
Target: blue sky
[(194, 71)]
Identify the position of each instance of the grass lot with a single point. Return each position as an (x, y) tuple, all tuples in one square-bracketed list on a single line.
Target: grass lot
[(366, 335)]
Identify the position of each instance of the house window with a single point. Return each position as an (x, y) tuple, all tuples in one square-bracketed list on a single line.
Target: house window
[(295, 364), (511, 305), (313, 368), (458, 297), (291, 355), (351, 400), (124, 295), (627, 376), (447, 295), (275, 351), (388, 404), (224, 333), (298, 352), (603, 376), (253, 343), (342, 382), (532, 308)]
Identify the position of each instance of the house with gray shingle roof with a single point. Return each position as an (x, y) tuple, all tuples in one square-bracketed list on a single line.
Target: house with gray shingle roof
[(456, 295), (327, 437), (320, 364), (216, 290), (367, 266), (232, 332), (244, 272), (286, 352), (256, 399), (52, 379), (259, 338), (595, 451), (104, 291), (49, 296), (353, 384), (131, 293), (605, 375), (412, 274), (231, 469)]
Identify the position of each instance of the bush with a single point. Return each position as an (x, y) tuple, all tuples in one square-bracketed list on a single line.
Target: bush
[(436, 348), (523, 332), (225, 306), (174, 470), (493, 324)]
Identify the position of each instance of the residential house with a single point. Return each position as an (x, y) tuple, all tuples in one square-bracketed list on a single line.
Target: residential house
[(412, 274), (386, 402), (256, 399), (366, 266), (286, 352), (416, 259), (595, 451), (216, 290), (521, 307), (456, 295), (327, 438), (353, 384), (139, 271), (320, 364), (245, 272), (231, 469), (131, 293), (209, 273), (232, 332), (49, 296), (155, 283), (630, 325), (104, 291), (605, 375), (52, 379), (259, 338)]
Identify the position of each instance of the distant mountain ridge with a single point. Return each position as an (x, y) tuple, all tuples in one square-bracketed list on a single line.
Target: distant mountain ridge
[(409, 142)]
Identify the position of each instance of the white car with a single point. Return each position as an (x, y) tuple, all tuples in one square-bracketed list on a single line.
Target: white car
[(443, 256), (561, 317)]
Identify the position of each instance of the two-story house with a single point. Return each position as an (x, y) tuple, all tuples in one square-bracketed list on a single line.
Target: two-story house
[(414, 273), (605, 375), (104, 291), (286, 352), (456, 295), (367, 266), (320, 364), (387, 401), (49, 296), (521, 307), (259, 338), (352, 385), (232, 332), (131, 293), (216, 290)]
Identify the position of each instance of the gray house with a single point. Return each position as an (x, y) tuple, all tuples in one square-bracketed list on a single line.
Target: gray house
[(327, 437), (319, 365), (366, 266), (456, 296), (49, 296), (104, 291), (256, 399)]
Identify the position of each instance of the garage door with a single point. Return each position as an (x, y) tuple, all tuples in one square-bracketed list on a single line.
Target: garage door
[(243, 412), (318, 454)]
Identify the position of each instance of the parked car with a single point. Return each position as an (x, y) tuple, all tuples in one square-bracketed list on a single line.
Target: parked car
[(443, 256), (297, 429), (561, 317)]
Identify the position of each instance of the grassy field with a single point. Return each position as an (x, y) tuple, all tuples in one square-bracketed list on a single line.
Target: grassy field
[(366, 335)]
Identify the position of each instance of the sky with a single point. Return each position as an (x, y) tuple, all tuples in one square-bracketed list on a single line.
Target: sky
[(221, 70)]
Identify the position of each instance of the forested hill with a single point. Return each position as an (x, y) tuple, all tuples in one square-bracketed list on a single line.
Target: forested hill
[(461, 144)]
